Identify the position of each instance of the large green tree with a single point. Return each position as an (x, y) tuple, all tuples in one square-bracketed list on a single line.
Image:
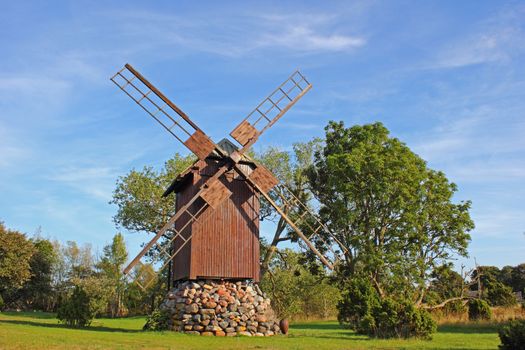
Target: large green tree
[(37, 293), (138, 196), (393, 214), (15, 259)]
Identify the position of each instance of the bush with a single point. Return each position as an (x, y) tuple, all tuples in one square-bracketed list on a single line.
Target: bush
[(1, 303), (398, 320), (358, 300), (157, 321), (479, 309), (498, 294), (362, 309), (456, 307), (512, 335), (75, 311)]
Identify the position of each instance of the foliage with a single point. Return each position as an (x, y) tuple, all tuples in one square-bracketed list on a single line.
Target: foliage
[(498, 294), (78, 260), (479, 309), (157, 321), (15, 258), (37, 293), (393, 216), (138, 196), (359, 298), (496, 284), (290, 168), (512, 335), (98, 290), (111, 265), (1, 303), (76, 310), (445, 284), (296, 292), (455, 307), (137, 300), (362, 309)]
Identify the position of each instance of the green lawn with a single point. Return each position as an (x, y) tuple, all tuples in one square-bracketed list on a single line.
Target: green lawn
[(42, 331)]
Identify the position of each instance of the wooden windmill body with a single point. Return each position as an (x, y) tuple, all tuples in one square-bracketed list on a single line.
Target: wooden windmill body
[(225, 240), (214, 233)]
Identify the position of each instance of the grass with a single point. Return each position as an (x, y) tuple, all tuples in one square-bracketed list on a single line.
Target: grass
[(42, 331)]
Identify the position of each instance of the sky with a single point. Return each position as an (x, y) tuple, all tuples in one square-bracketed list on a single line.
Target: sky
[(445, 77)]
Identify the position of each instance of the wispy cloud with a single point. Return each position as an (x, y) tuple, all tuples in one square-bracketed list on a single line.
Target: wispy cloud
[(246, 33), (495, 40), (95, 181)]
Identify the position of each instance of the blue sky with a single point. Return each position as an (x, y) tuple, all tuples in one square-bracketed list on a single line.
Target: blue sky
[(446, 77)]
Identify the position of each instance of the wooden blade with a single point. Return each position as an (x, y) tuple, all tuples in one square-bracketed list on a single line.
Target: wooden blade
[(186, 209), (165, 112), (270, 110), (293, 224)]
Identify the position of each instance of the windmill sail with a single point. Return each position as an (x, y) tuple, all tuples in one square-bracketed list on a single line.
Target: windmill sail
[(211, 194), (165, 112)]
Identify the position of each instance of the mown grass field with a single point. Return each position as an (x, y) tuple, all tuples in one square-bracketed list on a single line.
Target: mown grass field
[(42, 331)]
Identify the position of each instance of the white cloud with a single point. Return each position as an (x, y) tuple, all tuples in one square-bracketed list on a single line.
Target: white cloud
[(495, 40), (307, 39), (97, 181), (243, 34)]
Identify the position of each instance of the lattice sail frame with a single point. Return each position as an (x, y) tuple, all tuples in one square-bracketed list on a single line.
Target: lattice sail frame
[(179, 125)]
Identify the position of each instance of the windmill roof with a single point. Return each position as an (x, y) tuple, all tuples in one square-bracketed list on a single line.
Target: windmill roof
[(226, 145)]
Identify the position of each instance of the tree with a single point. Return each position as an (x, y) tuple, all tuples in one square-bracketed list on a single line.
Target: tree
[(37, 293), (111, 264), (290, 168), (15, 259), (445, 284), (394, 215), (78, 261), (138, 196), (295, 291), (138, 300), (76, 310)]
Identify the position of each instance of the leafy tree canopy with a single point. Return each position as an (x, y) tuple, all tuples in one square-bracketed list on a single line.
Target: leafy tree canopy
[(393, 214), (15, 258)]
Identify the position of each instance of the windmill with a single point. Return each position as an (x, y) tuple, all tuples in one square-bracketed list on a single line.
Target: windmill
[(218, 196)]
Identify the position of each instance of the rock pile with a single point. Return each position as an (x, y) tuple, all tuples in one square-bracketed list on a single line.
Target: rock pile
[(220, 308)]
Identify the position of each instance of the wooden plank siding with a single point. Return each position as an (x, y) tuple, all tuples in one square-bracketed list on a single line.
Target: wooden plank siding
[(225, 241)]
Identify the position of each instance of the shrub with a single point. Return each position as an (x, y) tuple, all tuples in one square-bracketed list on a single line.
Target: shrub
[(498, 294), (456, 307), (358, 300), (479, 309), (75, 311), (1, 303), (512, 335), (393, 319), (157, 321), (362, 309)]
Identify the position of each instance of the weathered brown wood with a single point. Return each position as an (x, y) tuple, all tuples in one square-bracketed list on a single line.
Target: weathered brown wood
[(288, 220), (200, 144), (244, 132), (264, 178), (275, 119), (171, 222), (215, 193), (162, 97), (225, 240)]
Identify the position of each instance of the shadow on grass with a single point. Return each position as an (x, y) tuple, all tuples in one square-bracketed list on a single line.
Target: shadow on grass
[(468, 328), (28, 314), (59, 325), (313, 326)]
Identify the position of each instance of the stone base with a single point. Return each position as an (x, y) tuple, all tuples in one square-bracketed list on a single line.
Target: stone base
[(220, 308)]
